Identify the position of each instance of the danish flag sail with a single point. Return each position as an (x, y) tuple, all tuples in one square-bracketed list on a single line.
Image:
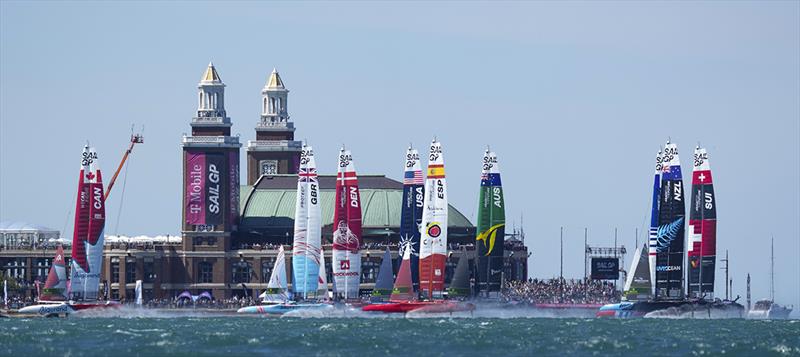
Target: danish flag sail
[(702, 249), (87, 240), (653, 241), (347, 229), (670, 233), (306, 248), (56, 284), (491, 226), (411, 213), (433, 245)]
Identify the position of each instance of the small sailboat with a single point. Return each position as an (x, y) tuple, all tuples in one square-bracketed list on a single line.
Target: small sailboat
[(347, 230), (637, 284), (383, 285), (767, 309), (277, 288)]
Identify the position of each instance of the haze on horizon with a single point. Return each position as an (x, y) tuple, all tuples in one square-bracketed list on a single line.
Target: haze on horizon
[(575, 98)]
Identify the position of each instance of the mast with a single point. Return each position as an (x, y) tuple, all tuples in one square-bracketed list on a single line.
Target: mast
[(433, 250), (771, 269), (652, 251)]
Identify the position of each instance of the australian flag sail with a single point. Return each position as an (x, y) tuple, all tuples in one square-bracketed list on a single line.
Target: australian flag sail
[(87, 239), (670, 233), (411, 213), (702, 249), (491, 226)]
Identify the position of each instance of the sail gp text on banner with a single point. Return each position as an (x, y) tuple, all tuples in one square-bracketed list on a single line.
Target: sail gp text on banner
[(605, 268)]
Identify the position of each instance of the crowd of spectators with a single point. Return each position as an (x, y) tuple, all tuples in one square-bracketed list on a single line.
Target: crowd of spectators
[(561, 291)]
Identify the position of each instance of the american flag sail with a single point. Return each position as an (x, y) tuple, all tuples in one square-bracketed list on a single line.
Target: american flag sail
[(411, 213)]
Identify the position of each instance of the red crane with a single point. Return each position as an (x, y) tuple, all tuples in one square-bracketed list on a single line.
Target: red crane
[(135, 139)]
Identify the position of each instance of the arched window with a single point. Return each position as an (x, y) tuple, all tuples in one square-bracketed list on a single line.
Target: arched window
[(241, 272), (266, 269)]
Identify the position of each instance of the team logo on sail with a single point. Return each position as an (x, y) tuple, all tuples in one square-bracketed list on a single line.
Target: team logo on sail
[(488, 237), (434, 230), (667, 234)]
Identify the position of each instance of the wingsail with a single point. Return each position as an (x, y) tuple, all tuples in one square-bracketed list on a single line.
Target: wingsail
[(347, 230), (411, 213), (307, 248), (491, 226), (670, 232), (702, 249), (87, 240), (433, 246)]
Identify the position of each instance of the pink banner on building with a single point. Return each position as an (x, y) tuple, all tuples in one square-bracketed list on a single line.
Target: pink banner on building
[(195, 184), (233, 176)]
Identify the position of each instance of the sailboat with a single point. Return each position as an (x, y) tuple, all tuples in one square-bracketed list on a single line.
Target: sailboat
[(277, 287), (491, 227), (346, 230), (767, 309), (411, 213), (383, 285), (87, 243), (433, 246), (637, 285), (307, 246), (56, 284), (459, 286), (702, 247)]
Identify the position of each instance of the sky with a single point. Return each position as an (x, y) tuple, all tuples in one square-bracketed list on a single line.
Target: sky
[(574, 97)]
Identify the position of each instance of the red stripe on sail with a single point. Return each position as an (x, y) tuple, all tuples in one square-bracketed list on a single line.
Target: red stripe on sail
[(431, 272), (97, 210), (81, 227)]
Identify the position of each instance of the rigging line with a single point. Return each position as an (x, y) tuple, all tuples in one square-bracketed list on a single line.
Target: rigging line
[(121, 198)]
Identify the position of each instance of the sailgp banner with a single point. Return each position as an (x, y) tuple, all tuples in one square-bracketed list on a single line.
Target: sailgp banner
[(195, 182), (605, 268), (215, 189), (233, 185)]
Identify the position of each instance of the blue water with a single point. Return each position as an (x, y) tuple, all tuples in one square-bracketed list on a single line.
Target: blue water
[(200, 334)]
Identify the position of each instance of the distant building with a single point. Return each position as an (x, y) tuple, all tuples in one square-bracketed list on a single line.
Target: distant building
[(230, 234)]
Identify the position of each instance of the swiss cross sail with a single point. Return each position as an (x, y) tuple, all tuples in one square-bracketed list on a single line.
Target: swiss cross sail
[(87, 240), (491, 226), (653, 238), (56, 284), (411, 213), (702, 249), (346, 230), (307, 246), (433, 245), (670, 232)]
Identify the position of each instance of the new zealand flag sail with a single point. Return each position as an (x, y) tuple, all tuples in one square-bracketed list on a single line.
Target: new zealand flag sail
[(670, 233)]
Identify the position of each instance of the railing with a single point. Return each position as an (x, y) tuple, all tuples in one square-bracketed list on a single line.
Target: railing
[(275, 143), (268, 124), (232, 140)]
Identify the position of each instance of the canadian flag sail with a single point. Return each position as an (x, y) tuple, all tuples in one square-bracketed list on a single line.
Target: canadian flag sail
[(307, 247), (346, 229), (433, 246), (87, 240), (702, 249)]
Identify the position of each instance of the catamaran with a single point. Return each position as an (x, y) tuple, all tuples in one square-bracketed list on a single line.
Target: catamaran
[(491, 228), (433, 229), (346, 230), (307, 246), (277, 287), (87, 244)]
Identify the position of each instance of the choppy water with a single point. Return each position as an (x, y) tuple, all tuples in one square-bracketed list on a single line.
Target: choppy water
[(157, 333)]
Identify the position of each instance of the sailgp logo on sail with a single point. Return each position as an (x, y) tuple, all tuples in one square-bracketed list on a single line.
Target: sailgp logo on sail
[(667, 234)]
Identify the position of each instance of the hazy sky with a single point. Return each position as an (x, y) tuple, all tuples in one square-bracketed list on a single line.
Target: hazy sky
[(574, 97)]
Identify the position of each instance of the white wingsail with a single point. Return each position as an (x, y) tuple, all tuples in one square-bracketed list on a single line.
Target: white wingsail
[(307, 229), (433, 247)]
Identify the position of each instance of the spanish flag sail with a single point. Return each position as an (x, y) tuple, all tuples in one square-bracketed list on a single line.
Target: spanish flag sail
[(491, 226), (433, 245), (346, 230)]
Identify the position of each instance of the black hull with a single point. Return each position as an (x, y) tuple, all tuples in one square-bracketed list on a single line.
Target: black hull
[(690, 308)]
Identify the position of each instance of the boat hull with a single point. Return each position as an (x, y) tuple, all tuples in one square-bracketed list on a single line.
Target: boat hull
[(678, 308), (281, 309), (53, 309), (420, 306)]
